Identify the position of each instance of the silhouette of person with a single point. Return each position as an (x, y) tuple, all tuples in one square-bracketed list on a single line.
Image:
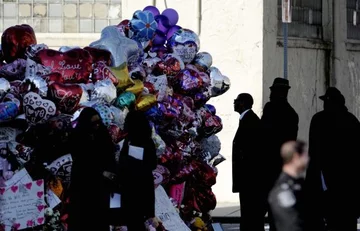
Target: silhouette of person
[(245, 158), (286, 199), (89, 191), (137, 180), (333, 172), (279, 124)]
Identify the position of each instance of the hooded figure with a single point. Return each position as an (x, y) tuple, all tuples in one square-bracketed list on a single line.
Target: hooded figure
[(93, 154)]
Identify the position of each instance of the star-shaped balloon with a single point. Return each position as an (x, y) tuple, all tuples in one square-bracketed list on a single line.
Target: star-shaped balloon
[(122, 49), (122, 74)]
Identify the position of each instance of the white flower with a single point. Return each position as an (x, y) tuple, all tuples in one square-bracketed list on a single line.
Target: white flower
[(49, 212), (52, 220)]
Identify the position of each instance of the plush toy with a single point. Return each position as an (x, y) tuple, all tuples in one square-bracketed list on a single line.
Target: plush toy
[(198, 224)]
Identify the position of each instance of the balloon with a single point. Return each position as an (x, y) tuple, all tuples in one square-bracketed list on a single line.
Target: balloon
[(35, 48), (172, 31), (15, 40), (203, 61), (101, 71), (125, 99), (137, 88), (160, 84), (122, 75), (74, 65), (119, 115), (219, 83), (67, 48), (14, 70), (184, 43), (145, 102), (39, 84), (143, 24), (172, 15), (152, 9), (187, 82), (161, 175), (122, 49), (99, 55), (8, 111), (116, 133), (66, 97), (159, 39), (124, 28), (211, 108), (163, 24), (105, 113), (36, 109), (148, 89), (171, 66), (159, 143), (104, 90), (4, 86), (176, 192)]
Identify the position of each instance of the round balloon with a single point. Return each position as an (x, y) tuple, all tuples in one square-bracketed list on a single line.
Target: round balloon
[(172, 15)]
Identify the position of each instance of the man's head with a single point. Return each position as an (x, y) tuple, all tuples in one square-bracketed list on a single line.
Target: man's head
[(333, 99), (279, 90), (295, 156), (243, 102)]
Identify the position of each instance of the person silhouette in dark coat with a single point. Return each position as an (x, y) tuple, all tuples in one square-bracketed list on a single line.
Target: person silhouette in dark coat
[(279, 124), (333, 174), (93, 154), (137, 180), (245, 158)]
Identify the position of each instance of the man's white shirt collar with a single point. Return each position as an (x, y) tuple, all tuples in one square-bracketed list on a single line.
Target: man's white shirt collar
[(243, 114)]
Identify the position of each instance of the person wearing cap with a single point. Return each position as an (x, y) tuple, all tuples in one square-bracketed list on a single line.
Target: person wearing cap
[(279, 124), (333, 174), (245, 159), (286, 199)]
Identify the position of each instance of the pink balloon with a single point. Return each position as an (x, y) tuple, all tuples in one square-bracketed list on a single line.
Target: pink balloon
[(172, 15), (152, 9)]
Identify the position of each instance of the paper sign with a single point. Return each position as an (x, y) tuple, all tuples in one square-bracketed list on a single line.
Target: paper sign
[(167, 213), (7, 134), (21, 176), (286, 11), (115, 201), (136, 152), (22, 205), (51, 199)]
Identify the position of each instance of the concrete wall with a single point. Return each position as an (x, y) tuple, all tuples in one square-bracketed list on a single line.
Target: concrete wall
[(308, 68), (232, 32)]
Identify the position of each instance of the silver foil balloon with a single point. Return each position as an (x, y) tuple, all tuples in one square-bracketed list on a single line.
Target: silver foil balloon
[(39, 84), (104, 90), (4, 86), (203, 61), (219, 82), (35, 48), (122, 49), (185, 43), (67, 48)]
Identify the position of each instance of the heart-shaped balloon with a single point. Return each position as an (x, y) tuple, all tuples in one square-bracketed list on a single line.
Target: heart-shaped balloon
[(122, 49), (8, 111), (203, 61), (145, 102), (219, 82), (66, 97), (137, 88), (36, 109), (99, 55), (15, 40), (101, 71), (74, 65), (184, 43)]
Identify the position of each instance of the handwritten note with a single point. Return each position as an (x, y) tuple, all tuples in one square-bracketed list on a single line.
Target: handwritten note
[(21, 176), (7, 134), (22, 205), (51, 199), (166, 212)]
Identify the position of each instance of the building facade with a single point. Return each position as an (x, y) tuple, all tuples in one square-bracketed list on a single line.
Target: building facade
[(245, 40)]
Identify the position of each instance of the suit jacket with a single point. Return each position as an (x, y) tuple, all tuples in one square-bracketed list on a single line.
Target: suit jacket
[(244, 151)]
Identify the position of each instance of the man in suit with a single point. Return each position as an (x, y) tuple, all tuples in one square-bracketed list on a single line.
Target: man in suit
[(245, 161), (279, 124), (332, 190)]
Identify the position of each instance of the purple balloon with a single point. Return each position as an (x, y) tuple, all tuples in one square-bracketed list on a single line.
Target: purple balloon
[(163, 23), (159, 38), (172, 31), (152, 9), (172, 15)]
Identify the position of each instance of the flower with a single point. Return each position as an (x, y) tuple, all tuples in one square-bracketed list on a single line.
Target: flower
[(49, 212)]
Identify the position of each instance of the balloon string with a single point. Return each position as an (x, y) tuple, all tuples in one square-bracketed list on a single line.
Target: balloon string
[(165, 2)]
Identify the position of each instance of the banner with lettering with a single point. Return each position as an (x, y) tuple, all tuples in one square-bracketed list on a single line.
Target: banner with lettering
[(22, 205)]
